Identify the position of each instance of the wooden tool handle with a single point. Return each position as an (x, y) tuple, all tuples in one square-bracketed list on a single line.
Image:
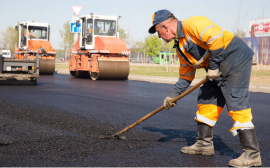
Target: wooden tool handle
[(161, 108), (190, 90)]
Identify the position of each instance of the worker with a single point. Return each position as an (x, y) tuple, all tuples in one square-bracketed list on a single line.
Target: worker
[(30, 35), (111, 30), (96, 30), (227, 60)]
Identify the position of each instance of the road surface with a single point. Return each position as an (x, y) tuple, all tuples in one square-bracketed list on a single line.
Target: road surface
[(58, 122)]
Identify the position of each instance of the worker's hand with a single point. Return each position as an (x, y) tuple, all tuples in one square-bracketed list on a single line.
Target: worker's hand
[(167, 103), (213, 74)]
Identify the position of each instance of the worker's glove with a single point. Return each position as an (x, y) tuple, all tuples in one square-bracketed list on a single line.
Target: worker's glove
[(213, 74), (167, 103)]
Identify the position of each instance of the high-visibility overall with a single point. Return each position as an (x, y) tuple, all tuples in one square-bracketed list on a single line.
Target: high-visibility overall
[(30, 34), (97, 29), (202, 44)]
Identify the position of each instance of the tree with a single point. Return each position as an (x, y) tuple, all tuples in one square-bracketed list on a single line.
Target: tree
[(9, 39), (237, 30), (60, 53), (169, 47), (67, 38), (123, 34), (135, 49), (240, 33), (153, 45), (142, 47)]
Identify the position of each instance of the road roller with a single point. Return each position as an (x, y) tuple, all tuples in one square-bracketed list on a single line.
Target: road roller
[(34, 40), (18, 71), (99, 53)]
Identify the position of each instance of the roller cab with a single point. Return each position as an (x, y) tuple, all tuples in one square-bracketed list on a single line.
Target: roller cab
[(34, 40), (98, 52)]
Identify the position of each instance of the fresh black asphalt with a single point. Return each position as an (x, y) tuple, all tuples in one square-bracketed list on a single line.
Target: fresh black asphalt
[(58, 123)]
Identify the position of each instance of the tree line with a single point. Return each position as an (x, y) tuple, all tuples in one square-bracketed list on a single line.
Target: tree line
[(150, 46)]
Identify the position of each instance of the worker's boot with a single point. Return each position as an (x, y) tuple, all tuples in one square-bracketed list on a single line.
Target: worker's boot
[(204, 144), (251, 155)]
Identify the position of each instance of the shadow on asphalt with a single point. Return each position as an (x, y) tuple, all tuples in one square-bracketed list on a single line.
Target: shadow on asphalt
[(190, 137)]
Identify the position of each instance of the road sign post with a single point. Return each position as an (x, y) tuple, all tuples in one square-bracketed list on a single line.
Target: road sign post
[(76, 10)]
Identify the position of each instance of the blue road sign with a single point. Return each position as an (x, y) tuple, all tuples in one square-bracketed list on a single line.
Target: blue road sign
[(74, 29)]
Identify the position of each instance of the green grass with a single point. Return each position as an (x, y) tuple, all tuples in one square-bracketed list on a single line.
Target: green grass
[(162, 71), (257, 76), (62, 66), (260, 73), (260, 76)]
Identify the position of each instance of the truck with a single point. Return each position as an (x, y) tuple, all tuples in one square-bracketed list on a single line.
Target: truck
[(34, 41), (6, 53), (18, 71), (99, 52)]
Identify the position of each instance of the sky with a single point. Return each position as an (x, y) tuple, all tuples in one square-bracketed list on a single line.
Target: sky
[(136, 14)]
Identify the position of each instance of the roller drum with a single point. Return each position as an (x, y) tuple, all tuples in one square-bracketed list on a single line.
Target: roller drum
[(46, 66), (79, 74), (115, 70)]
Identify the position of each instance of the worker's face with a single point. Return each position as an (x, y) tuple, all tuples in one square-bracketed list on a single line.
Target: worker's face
[(164, 33)]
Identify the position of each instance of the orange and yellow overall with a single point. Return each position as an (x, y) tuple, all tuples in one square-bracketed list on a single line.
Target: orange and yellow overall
[(202, 44)]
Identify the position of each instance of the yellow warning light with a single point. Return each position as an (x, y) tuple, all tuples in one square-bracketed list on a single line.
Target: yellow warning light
[(33, 67), (22, 68)]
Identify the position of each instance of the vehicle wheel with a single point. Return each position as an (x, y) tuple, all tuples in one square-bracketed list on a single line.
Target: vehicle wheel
[(79, 74)]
